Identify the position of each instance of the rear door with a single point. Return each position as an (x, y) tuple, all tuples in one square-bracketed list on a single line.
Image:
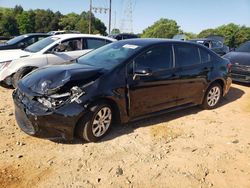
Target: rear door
[(194, 66), (156, 91)]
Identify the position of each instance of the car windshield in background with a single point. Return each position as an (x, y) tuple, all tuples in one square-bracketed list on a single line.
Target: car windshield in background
[(15, 40), (244, 47), (109, 56), (38, 46)]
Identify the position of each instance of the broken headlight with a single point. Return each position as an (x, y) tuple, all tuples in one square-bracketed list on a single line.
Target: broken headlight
[(57, 100)]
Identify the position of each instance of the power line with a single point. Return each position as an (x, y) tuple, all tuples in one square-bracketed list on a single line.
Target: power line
[(101, 10)]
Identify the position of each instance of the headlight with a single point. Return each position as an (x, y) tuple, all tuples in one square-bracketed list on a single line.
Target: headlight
[(4, 64), (57, 100)]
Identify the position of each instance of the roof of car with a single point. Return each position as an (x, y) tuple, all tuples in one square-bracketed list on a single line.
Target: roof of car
[(201, 39), (75, 35), (33, 34), (151, 41)]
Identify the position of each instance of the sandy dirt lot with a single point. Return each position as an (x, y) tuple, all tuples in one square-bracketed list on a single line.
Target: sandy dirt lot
[(190, 148)]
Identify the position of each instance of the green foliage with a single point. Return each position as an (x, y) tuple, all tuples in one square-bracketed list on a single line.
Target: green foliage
[(234, 34), (163, 28), (115, 31), (69, 21), (18, 21), (25, 22)]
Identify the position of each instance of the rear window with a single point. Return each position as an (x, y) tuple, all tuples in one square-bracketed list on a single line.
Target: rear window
[(205, 56), (186, 55), (245, 47), (95, 43)]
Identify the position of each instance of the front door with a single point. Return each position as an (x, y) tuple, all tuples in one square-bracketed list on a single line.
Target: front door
[(157, 89), (66, 51)]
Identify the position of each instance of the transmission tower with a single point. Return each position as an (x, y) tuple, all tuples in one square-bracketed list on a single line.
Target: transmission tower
[(127, 17)]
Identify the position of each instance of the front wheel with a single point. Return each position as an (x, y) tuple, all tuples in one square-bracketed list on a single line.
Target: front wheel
[(212, 96), (96, 124), (20, 74)]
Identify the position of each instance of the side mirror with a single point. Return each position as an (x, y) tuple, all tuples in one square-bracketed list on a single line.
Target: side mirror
[(142, 72)]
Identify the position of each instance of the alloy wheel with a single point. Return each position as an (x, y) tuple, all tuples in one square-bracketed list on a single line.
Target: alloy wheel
[(102, 121), (213, 96)]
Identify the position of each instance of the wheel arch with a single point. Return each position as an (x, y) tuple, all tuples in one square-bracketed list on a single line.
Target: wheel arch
[(109, 101)]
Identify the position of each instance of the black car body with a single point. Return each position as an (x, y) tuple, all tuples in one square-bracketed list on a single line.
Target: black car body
[(240, 60), (126, 80), (123, 36), (216, 45), (22, 41)]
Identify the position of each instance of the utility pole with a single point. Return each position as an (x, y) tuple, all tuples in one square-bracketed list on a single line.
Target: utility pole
[(110, 16), (90, 16), (100, 10)]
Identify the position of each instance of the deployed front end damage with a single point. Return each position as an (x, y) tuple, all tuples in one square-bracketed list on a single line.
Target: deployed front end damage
[(51, 107)]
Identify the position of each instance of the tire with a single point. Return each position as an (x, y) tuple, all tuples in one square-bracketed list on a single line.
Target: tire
[(20, 74), (212, 97), (96, 124)]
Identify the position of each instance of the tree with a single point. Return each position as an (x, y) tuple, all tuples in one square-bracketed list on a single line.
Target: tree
[(8, 25), (25, 22), (115, 31), (206, 33), (69, 21), (99, 27), (163, 28), (82, 26)]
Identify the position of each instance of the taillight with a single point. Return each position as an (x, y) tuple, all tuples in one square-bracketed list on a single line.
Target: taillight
[(229, 67)]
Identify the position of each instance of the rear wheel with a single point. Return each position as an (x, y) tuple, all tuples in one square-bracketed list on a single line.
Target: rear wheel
[(96, 124), (20, 74), (212, 97)]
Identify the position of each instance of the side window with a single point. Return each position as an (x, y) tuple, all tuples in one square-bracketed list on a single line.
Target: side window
[(186, 55), (69, 45), (28, 41), (217, 44), (41, 37), (157, 58), (205, 56), (95, 43)]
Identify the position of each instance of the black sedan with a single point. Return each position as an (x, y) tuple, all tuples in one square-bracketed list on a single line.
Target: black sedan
[(217, 46), (120, 82), (22, 41), (240, 60)]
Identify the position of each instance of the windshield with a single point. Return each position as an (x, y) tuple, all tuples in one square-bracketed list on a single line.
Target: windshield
[(245, 47), (15, 40), (109, 56), (38, 46)]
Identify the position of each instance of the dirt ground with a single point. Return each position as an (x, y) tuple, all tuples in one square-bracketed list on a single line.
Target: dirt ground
[(190, 148)]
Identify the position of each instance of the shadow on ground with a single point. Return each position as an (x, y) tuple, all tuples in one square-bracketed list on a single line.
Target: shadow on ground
[(119, 130)]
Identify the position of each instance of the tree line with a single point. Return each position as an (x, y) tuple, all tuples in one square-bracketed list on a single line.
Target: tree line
[(16, 21), (166, 28)]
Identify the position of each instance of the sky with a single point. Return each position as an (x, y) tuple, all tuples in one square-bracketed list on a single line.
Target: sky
[(191, 15)]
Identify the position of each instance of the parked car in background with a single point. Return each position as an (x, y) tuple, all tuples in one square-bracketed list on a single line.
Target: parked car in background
[(123, 36), (240, 59), (22, 41), (63, 32), (216, 45), (15, 64), (86, 98)]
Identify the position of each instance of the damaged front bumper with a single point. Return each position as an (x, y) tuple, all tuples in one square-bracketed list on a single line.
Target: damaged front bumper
[(36, 120)]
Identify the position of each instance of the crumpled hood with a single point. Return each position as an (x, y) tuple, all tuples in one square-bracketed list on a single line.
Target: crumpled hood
[(59, 78), (7, 55), (241, 58)]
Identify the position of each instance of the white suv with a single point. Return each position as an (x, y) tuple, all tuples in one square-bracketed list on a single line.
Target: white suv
[(14, 64)]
